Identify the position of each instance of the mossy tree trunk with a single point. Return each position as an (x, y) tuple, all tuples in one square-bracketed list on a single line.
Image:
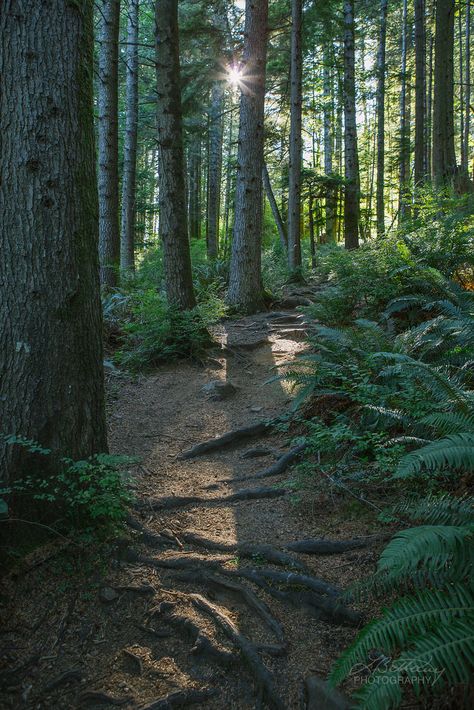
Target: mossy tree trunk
[(50, 319), (107, 100), (172, 188), (245, 287), (351, 157)]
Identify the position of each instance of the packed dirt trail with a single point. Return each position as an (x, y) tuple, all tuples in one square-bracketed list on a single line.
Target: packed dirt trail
[(202, 602)]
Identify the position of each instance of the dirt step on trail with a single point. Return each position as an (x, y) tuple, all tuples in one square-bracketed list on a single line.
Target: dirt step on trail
[(203, 603)]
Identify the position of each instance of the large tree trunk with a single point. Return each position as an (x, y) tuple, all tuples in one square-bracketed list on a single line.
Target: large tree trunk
[(351, 162), (404, 161), (467, 94), (444, 158), (216, 126), (173, 220), (274, 207), (296, 144), (109, 235), (127, 246), (245, 286), (50, 320), (328, 145), (420, 92), (381, 68)]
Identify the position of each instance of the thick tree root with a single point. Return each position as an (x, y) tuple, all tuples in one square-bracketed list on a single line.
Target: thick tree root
[(147, 536), (180, 699), (228, 439), (300, 580), (213, 583), (203, 645), (323, 607), (245, 549), (178, 562), (276, 468), (97, 697), (248, 650), (328, 547), (171, 502)]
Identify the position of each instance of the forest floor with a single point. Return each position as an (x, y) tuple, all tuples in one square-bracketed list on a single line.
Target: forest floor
[(160, 619)]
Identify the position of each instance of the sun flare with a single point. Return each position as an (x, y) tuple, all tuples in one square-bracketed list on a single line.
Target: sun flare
[(234, 75)]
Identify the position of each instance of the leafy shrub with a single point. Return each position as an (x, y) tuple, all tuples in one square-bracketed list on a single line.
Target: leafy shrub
[(81, 494), (157, 332), (424, 639)]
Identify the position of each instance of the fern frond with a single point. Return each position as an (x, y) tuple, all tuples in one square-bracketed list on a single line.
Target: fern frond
[(409, 616), (450, 422), (455, 451), (438, 510)]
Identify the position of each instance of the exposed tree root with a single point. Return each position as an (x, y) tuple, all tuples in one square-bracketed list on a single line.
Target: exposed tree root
[(178, 562), (248, 650), (72, 674), (245, 549), (228, 439), (97, 697), (300, 580), (147, 536), (276, 468), (180, 699), (203, 645), (328, 547), (171, 502), (212, 583)]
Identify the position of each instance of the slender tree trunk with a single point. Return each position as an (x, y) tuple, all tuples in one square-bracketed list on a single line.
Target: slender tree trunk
[(429, 98), (214, 179), (312, 243), (404, 168), (420, 92), (444, 158), (351, 162), (328, 146), (194, 183), (381, 69), (127, 241), (50, 320), (109, 234), (228, 185), (296, 144), (245, 285), (461, 85), (274, 207), (173, 221), (467, 77)]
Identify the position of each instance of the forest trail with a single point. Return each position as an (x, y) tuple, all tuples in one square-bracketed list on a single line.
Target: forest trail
[(169, 621)]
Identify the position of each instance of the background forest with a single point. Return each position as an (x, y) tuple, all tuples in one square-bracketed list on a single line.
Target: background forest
[(168, 168)]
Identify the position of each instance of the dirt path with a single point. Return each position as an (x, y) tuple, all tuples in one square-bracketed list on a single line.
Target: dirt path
[(170, 614)]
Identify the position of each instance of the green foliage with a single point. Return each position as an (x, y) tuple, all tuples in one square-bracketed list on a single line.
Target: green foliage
[(77, 494), (425, 639)]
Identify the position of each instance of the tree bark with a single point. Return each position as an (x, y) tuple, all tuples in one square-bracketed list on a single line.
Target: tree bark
[(108, 184), (328, 145), (274, 207), (467, 100), (172, 197), (194, 189), (50, 321), (420, 92), (127, 242), (381, 69), (245, 286), (444, 158), (351, 162), (216, 127), (296, 144), (404, 168)]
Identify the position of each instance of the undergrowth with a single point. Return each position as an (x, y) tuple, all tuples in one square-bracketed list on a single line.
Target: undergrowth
[(386, 399)]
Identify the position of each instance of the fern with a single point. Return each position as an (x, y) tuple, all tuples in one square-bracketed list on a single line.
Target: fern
[(453, 452), (437, 510)]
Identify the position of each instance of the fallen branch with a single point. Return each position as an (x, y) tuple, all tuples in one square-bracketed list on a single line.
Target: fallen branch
[(276, 468), (256, 666), (228, 439)]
